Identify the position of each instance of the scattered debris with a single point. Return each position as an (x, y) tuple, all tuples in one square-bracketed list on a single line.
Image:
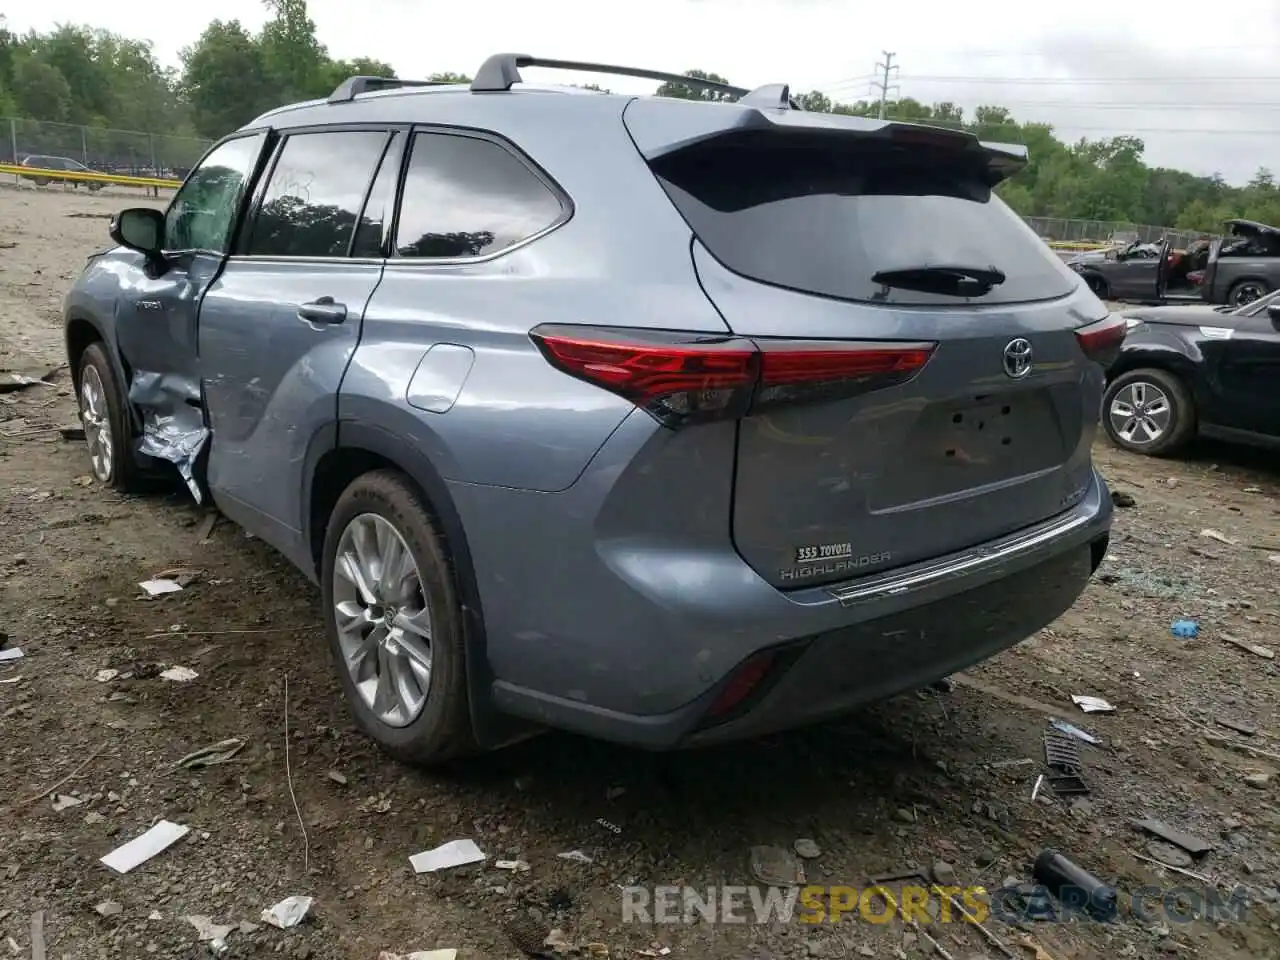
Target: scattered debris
[(10, 382), (1122, 499), (448, 953), (336, 777), (1193, 845), (1185, 629), (1168, 854), (608, 825), (12, 679), (1002, 764), (1220, 537), (209, 756), (182, 576), (1240, 727), (9, 654), (577, 856), (1068, 881), (1035, 791), (1186, 873), (205, 533), (1092, 704), (655, 952), (106, 676), (943, 873), (775, 867), (289, 912), (157, 587), (1257, 651), (455, 853), (39, 951), (1258, 781), (71, 433), (206, 929), (63, 801), (1072, 731), (142, 848), (529, 935), (516, 866), (109, 908), (806, 849), (178, 674)]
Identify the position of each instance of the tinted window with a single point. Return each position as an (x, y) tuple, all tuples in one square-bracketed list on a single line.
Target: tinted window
[(314, 195), (202, 214), (382, 199), (466, 197), (799, 212)]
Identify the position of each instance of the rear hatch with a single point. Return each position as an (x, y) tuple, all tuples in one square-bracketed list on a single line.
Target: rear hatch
[(971, 411)]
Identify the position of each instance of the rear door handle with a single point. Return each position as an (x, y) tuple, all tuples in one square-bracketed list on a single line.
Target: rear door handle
[(323, 310)]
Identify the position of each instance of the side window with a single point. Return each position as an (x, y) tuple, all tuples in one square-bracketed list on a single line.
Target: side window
[(382, 198), (314, 195), (467, 197), (201, 215)]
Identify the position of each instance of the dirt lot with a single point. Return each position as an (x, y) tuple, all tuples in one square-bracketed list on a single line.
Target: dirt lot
[(914, 781)]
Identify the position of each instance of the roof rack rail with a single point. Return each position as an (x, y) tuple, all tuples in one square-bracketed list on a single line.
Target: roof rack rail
[(352, 87), (502, 70)]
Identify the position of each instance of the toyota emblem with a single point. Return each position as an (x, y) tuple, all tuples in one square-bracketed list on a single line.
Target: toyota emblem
[(1017, 358)]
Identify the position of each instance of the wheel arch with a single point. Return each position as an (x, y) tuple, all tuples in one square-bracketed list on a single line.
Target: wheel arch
[(352, 448)]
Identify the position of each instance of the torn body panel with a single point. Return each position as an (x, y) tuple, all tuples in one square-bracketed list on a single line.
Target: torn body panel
[(173, 423)]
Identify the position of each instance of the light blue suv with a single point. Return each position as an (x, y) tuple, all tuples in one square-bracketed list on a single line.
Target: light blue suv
[(663, 421)]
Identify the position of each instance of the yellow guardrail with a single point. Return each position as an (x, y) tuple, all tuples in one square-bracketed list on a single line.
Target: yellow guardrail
[(1077, 245), (88, 176)]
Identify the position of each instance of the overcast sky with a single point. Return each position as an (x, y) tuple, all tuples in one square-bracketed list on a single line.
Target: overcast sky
[(1174, 73)]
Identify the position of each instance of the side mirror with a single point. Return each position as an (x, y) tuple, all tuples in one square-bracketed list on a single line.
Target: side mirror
[(139, 228)]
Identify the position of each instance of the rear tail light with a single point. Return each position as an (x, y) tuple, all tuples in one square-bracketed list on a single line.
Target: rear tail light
[(1101, 341), (741, 684), (682, 378)]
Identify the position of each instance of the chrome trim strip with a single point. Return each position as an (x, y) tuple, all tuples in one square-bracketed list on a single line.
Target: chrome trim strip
[(966, 563)]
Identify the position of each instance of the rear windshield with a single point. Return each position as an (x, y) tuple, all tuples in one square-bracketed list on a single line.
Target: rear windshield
[(822, 216)]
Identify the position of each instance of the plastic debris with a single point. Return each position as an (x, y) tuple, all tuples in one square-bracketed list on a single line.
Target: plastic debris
[(1092, 704), (11, 653), (1185, 629), (62, 801), (215, 753), (289, 912), (142, 848), (1220, 537), (659, 952), (806, 848), (1257, 651), (178, 674), (455, 853), (516, 866), (106, 676), (157, 587), (775, 867), (206, 929), (448, 953), (1063, 727), (577, 856), (1072, 884), (109, 908)]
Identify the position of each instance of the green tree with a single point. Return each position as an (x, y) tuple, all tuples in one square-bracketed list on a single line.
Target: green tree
[(40, 90), (686, 91), (225, 80)]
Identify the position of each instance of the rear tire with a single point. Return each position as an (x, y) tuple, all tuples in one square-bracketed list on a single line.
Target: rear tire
[(394, 622), (1246, 291), (1149, 411), (104, 415)]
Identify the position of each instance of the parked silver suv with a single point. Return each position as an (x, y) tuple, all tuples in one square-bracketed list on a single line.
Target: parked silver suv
[(667, 422)]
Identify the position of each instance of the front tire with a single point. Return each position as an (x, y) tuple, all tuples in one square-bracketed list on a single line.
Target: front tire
[(1150, 412), (394, 622), (104, 415)]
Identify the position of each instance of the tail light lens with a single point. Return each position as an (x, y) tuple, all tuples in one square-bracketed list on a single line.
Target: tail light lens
[(682, 378), (1101, 341), (741, 684)]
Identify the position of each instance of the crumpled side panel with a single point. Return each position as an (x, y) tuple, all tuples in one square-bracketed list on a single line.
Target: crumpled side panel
[(172, 422)]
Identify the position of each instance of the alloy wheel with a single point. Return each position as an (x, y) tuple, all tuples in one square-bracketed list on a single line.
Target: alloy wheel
[(384, 625), (97, 423), (1140, 413)]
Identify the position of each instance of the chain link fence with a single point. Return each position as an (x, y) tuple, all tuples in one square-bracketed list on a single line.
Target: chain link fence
[(122, 152), (1107, 231)]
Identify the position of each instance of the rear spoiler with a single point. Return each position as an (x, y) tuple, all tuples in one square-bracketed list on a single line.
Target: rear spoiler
[(662, 127)]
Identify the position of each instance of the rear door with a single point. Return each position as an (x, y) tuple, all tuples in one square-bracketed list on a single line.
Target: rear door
[(913, 459), (1245, 369), (279, 325)]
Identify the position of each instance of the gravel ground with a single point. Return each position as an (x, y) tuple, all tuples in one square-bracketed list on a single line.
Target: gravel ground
[(911, 782)]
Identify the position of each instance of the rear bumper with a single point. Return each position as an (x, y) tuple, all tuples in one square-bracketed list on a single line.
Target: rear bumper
[(633, 641)]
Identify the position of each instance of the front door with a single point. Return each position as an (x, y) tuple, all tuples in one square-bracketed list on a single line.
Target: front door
[(1245, 372), (280, 324)]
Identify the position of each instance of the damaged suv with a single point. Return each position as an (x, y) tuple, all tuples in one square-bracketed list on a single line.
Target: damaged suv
[(663, 421)]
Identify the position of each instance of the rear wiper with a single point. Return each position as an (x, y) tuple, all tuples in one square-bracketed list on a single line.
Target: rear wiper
[(947, 279)]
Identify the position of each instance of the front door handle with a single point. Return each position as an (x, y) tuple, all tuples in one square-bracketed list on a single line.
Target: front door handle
[(323, 310)]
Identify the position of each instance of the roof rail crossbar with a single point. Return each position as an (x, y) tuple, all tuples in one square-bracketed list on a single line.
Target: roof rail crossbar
[(500, 71), (352, 87)]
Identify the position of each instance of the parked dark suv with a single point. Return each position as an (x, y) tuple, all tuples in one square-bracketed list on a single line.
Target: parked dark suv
[(668, 422), (46, 170)]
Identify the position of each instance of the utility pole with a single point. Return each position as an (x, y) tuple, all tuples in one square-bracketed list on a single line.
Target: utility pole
[(886, 70)]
